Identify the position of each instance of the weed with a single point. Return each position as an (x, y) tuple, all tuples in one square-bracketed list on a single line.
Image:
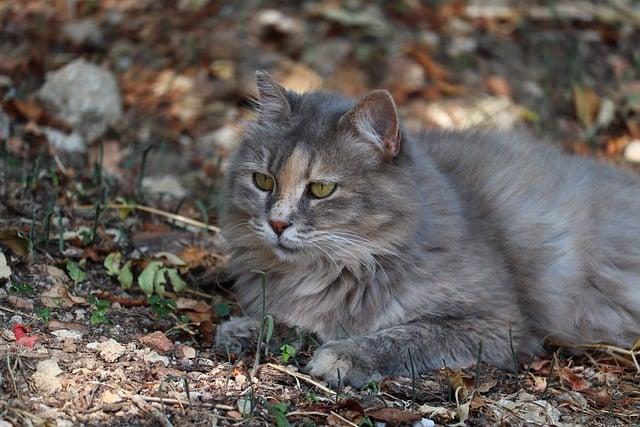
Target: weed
[(75, 272), (288, 352), (161, 306), (21, 288), (99, 310), (44, 313), (279, 412)]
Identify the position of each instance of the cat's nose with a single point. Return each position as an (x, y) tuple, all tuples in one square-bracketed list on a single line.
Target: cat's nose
[(279, 226)]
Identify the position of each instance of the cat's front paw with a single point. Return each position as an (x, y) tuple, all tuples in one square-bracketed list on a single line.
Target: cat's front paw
[(337, 362), (236, 335)]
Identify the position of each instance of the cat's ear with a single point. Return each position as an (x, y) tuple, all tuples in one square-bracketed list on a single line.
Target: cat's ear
[(272, 98), (375, 119)]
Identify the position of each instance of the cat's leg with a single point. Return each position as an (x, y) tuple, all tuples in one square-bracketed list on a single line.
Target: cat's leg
[(427, 344), (237, 334)]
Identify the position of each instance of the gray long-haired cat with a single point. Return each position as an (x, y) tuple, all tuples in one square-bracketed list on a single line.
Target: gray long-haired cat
[(397, 249)]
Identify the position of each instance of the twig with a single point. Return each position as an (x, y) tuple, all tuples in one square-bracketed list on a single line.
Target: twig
[(614, 349), (303, 377), (309, 413), (161, 418), (344, 420), (149, 209), (10, 310), (170, 401)]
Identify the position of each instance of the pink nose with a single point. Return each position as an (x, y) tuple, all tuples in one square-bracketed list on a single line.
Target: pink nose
[(279, 226)]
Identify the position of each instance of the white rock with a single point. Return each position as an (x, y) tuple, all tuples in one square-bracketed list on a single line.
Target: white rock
[(84, 95), (83, 32), (632, 151), (46, 376), (67, 334), (166, 184), (71, 143), (110, 350)]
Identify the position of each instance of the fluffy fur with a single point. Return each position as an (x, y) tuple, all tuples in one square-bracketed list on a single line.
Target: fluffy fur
[(430, 244)]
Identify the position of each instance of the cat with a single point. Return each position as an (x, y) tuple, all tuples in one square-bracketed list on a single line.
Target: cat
[(406, 252)]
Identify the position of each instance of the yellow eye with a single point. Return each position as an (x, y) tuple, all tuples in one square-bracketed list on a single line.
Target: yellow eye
[(263, 182), (320, 190)]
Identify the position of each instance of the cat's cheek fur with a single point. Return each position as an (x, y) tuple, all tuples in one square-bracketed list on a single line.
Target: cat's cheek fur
[(338, 362)]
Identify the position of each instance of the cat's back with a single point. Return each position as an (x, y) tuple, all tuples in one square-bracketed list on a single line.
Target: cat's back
[(568, 226)]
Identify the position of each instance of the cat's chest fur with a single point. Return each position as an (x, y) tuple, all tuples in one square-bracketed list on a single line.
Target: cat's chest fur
[(321, 300)]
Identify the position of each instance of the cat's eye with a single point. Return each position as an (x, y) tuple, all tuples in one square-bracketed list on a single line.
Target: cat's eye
[(263, 182), (320, 190)]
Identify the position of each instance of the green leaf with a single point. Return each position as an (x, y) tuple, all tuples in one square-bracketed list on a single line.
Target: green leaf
[(125, 277), (112, 263), (176, 281), (222, 309), (44, 313), (288, 352), (159, 281), (146, 280), (75, 272), (279, 411), (22, 288)]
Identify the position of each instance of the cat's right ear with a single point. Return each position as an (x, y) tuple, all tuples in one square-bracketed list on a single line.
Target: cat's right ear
[(272, 99), (375, 119)]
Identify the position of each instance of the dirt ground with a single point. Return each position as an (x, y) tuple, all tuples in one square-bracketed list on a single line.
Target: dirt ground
[(112, 276)]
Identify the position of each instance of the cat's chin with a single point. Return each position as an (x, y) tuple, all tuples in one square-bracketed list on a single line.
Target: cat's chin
[(285, 253)]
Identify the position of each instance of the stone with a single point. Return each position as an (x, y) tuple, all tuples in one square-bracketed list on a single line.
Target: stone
[(632, 151), (84, 95)]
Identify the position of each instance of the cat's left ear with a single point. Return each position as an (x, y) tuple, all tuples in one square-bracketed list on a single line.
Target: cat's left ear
[(273, 101), (375, 119)]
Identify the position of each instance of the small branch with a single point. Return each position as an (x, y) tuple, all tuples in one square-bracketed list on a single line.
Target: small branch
[(170, 401), (303, 377), (344, 420), (154, 211), (10, 310), (614, 349)]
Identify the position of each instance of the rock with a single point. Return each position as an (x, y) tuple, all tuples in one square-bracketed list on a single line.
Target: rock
[(4, 125), (185, 351), (63, 334), (158, 341), (70, 143), (151, 356), (84, 95), (632, 151), (166, 184), (110, 350), (324, 57), (46, 376), (84, 32)]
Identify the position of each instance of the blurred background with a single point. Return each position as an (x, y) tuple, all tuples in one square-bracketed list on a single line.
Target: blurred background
[(157, 86)]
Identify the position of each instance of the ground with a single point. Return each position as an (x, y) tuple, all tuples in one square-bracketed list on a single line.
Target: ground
[(112, 276)]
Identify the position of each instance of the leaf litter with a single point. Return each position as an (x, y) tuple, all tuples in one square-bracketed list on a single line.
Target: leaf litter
[(111, 270)]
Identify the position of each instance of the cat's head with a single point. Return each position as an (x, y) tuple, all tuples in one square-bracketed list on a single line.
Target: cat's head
[(319, 177)]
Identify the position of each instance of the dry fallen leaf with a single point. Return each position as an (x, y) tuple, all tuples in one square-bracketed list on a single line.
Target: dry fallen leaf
[(570, 378), (158, 341), (16, 242), (20, 332), (586, 103), (58, 296), (5, 271), (393, 416)]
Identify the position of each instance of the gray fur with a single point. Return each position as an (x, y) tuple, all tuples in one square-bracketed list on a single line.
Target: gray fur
[(459, 239)]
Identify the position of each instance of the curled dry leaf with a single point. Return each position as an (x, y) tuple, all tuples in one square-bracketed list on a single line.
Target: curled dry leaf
[(573, 380), (59, 296), (20, 332), (20, 245)]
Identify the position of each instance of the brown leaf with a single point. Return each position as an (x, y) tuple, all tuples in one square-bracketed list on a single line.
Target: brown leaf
[(393, 416), (586, 103), (615, 146), (539, 364), (599, 398), (499, 86), (456, 385), (206, 330), (55, 325), (157, 340), (17, 242), (21, 303), (188, 304), (573, 380), (58, 296)]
